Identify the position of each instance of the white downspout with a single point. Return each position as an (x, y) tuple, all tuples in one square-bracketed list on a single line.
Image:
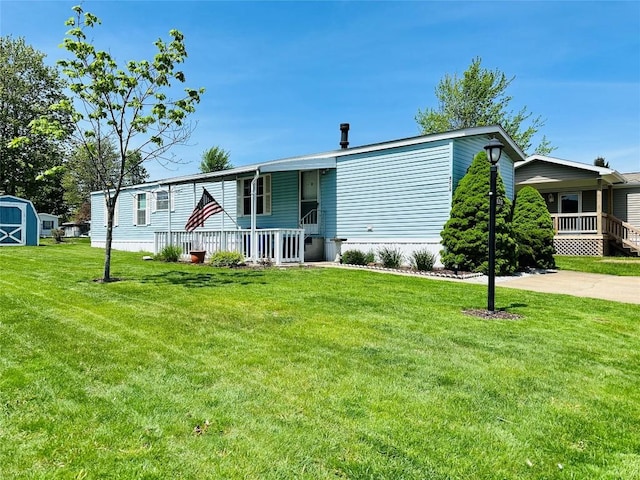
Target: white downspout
[(169, 218), (254, 203)]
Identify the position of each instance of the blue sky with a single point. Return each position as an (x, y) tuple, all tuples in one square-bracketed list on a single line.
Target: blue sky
[(281, 76)]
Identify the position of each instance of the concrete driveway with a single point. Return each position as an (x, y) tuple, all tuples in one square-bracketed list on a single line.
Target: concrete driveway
[(579, 284)]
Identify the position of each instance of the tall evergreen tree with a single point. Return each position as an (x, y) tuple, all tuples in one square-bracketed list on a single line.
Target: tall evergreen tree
[(465, 236), (533, 230), (214, 160)]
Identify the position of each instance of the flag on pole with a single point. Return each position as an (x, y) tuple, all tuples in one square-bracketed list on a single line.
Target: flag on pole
[(206, 207)]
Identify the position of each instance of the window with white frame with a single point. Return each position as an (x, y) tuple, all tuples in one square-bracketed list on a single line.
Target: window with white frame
[(47, 224), (140, 210), (263, 196), (116, 213), (162, 200)]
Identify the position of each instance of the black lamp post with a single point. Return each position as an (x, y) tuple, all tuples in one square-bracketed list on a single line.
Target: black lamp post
[(494, 150)]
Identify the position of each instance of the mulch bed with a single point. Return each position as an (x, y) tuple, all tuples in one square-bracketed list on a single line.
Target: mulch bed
[(496, 315)]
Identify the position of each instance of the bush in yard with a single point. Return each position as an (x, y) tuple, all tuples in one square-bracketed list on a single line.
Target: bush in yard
[(57, 234), (533, 230), (465, 236), (390, 257), (171, 253), (354, 257), (227, 259), (423, 260)]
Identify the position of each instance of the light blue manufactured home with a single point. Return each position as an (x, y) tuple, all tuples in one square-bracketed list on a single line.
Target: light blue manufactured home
[(19, 222), (396, 193)]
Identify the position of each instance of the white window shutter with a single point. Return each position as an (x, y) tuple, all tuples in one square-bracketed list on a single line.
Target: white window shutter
[(172, 202), (148, 204), (267, 195), (240, 197), (106, 212), (154, 201), (116, 215), (135, 209)]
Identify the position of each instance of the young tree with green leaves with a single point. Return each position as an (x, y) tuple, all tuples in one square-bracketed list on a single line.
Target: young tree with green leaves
[(533, 230), (125, 104), (465, 236), (28, 88), (214, 160), (479, 98)]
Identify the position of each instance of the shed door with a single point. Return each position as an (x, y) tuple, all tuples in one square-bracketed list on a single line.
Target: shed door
[(13, 223)]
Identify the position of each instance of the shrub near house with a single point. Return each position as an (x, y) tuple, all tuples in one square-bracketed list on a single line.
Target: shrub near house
[(466, 234), (533, 230)]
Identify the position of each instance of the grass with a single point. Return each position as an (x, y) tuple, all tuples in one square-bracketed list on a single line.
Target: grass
[(304, 373), (627, 266)]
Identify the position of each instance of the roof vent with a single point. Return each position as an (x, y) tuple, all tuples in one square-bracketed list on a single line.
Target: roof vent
[(344, 137)]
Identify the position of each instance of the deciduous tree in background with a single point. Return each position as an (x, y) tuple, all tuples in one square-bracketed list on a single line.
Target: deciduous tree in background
[(465, 236), (214, 160), (127, 105), (28, 88), (479, 98)]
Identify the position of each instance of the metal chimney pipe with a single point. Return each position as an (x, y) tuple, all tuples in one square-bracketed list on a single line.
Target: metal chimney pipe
[(344, 137)]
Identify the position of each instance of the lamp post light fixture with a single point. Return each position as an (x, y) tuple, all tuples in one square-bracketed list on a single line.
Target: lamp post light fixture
[(494, 150)]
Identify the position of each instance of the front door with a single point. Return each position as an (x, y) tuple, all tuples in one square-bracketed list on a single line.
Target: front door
[(309, 201)]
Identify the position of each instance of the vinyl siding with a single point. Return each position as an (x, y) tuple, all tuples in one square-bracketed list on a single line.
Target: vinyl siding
[(464, 151), (396, 193), (626, 204), (543, 172), (284, 203), (328, 226)]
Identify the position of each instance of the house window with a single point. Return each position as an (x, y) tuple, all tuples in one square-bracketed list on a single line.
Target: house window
[(162, 200), (47, 224), (263, 196), (570, 203), (140, 213)]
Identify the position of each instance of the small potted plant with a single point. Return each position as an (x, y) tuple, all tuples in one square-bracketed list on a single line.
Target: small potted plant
[(197, 251)]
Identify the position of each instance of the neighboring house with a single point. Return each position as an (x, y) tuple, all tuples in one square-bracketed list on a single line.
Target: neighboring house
[(76, 229), (19, 223), (593, 208), (48, 222), (396, 193)]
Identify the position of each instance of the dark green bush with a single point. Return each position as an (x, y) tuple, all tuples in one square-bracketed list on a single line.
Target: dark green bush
[(354, 257), (533, 230), (170, 253), (227, 259), (423, 260), (465, 236), (390, 257), (369, 257)]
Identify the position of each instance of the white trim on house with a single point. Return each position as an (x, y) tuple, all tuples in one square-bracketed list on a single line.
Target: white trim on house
[(608, 174)]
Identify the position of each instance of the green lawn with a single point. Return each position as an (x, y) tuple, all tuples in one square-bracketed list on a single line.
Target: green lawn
[(628, 266), (304, 373)]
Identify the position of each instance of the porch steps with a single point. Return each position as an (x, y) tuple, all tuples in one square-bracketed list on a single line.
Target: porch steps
[(624, 237)]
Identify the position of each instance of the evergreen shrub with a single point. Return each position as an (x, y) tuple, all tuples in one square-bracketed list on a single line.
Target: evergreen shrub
[(533, 230), (465, 236)]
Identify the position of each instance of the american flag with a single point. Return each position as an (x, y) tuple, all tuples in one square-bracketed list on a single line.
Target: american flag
[(206, 207)]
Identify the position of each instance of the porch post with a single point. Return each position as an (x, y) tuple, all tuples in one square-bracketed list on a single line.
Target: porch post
[(254, 204), (223, 242), (599, 207)]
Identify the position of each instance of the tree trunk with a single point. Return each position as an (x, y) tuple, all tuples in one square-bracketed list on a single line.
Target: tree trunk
[(111, 208)]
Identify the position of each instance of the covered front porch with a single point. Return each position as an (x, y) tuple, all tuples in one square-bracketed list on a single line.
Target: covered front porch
[(581, 200)]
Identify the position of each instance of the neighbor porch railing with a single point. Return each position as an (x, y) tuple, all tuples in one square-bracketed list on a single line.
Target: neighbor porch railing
[(575, 223), (622, 232), (276, 245)]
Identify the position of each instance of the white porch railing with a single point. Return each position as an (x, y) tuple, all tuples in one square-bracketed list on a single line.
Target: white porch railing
[(575, 223), (310, 222), (277, 245)]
